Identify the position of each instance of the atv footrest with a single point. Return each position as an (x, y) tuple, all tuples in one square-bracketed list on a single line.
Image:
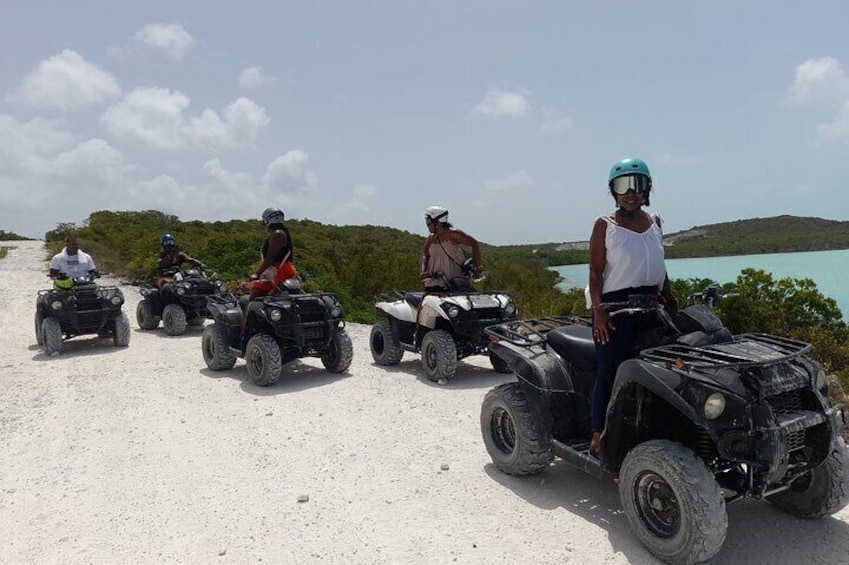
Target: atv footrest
[(579, 456)]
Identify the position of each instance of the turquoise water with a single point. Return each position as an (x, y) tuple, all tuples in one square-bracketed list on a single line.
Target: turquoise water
[(829, 269)]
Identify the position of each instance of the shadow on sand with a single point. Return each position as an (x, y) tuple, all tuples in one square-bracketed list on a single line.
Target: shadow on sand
[(295, 376), (757, 532), (467, 377)]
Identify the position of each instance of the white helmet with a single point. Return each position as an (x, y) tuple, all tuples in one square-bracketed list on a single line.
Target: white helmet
[(437, 214), (272, 216)]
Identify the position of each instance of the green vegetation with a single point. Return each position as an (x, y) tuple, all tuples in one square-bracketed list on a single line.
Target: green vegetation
[(357, 262), (786, 307), (362, 262), (12, 236), (3, 251), (781, 234)]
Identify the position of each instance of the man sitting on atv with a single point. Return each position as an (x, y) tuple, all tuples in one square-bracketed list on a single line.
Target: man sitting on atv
[(71, 263), (171, 260), (442, 253)]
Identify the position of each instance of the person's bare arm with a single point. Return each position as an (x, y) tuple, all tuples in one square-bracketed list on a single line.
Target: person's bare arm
[(425, 260), (462, 238), (602, 324)]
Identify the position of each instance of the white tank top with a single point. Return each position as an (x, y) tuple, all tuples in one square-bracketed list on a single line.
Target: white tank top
[(632, 259)]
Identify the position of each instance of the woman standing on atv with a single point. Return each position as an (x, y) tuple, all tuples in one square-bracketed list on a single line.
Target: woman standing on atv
[(442, 253), (626, 258)]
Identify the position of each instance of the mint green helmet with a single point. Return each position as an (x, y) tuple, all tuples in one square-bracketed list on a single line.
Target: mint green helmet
[(628, 167), (639, 178)]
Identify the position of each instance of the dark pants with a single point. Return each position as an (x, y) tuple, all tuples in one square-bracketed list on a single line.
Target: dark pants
[(620, 346)]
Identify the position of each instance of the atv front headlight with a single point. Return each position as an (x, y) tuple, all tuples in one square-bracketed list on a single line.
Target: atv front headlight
[(714, 406), (181, 291), (509, 310), (336, 311), (275, 315), (116, 300), (453, 312), (56, 304)]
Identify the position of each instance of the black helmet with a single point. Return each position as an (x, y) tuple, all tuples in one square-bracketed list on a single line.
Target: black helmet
[(273, 216)]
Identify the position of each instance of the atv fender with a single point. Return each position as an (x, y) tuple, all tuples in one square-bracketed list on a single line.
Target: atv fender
[(228, 314), (540, 374), (619, 436), (152, 294), (397, 310)]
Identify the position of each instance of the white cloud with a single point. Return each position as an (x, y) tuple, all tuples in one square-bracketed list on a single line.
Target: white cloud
[(155, 118), (254, 77), (47, 175), (171, 38), (289, 176), (822, 79), (66, 81), (837, 130), (360, 201), (556, 125), (518, 181), (502, 104)]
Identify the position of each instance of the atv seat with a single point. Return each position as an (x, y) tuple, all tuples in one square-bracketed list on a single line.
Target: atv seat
[(574, 343), (414, 299)]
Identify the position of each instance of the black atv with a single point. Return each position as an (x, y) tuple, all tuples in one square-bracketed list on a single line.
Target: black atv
[(179, 303), (698, 419), (444, 326), (279, 328), (78, 306)]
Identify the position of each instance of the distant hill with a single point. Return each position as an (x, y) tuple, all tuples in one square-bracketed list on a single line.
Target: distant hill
[(780, 234), (11, 236)]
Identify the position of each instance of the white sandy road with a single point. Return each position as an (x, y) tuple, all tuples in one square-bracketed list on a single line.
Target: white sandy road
[(142, 455)]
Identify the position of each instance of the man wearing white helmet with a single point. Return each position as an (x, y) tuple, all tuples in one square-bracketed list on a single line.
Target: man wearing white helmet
[(442, 253)]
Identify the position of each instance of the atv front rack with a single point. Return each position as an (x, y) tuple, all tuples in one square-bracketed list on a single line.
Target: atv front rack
[(526, 333), (747, 350)]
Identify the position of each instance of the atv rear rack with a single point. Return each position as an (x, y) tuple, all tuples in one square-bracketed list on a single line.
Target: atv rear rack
[(526, 333), (747, 350)]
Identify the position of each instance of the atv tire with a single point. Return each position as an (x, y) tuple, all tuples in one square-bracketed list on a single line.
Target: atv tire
[(216, 353), (39, 331), (673, 502), (384, 344), (121, 336), (821, 492), (499, 365), (52, 332), (174, 319), (146, 316), (510, 433), (339, 353), (439, 355), (264, 361)]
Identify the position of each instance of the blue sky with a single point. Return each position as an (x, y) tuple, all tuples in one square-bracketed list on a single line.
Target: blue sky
[(367, 112)]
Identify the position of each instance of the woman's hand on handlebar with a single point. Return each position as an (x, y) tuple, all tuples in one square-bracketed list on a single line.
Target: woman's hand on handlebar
[(602, 325)]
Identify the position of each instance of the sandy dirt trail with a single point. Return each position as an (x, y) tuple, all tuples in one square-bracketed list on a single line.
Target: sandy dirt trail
[(142, 455)]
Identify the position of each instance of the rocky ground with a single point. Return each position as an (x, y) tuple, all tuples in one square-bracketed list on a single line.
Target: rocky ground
[(142, 455)]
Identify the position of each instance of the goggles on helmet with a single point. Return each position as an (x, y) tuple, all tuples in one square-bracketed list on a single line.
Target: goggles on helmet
[(630, 183)]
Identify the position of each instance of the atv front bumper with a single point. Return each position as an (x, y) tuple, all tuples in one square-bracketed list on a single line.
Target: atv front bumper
[(795, 443)]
